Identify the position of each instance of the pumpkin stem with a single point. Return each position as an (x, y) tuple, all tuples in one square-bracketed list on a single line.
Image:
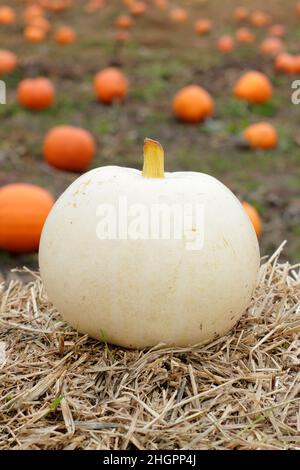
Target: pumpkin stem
[(153, 159)]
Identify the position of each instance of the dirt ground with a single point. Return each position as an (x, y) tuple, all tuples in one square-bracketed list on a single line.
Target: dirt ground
[(159, 59)]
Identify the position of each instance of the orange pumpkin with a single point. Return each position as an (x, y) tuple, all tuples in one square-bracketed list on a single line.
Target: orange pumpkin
[(254, 87), (41, 23), (36, 93), (138, 8), (271, 46), (203, 26), (286, 63), (58, 6), (240, 14), (34, 34), (110, 85), (178, 15), (8, 61), (23, 211), (225, 44), (277, 30), (244, 35), (65, 35), (254, 217), (94, 5), (193, 104), (7, 15), (124, 22), (296, 60), (69, 148), (297, 9), (31, 12), (261, 135), (121, 36), (161, 4), (259, 19)]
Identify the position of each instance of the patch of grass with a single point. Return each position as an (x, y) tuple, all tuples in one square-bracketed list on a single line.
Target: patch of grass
[(55, 403)]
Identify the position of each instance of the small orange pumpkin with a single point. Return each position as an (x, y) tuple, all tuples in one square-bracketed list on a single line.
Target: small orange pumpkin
[(110, 85), (277, 30), (69, 148), (41, 23), (178, 15), (244, 35), (7, 15), (34, 34), (31, 12), (259, 19), (161, 4), (203, 26), (271, 46), (8, 61), (36, 93), (138, 8), (121, 36), (225, 44), (241, 14), (124, 22), (65, 35), (285, 62), (193, 104), (254, 217), (254, 87), (297, 63), (261, 135), (23, 211)]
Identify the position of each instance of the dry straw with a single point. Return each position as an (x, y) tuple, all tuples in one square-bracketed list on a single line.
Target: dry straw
[(60, 390)]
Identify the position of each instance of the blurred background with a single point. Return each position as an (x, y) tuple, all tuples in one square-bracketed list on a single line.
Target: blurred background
[(160, 47)]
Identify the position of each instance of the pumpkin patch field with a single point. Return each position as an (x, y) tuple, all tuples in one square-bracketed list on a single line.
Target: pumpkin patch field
[(117, 333)]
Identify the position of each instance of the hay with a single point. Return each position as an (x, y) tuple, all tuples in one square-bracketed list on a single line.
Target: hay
[(60, 390)]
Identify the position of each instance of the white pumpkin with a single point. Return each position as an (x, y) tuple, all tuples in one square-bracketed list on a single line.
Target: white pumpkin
[(116, 271)]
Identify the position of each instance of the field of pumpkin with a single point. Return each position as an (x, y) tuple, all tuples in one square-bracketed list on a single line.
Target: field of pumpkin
[(201, 88), (86, 82)]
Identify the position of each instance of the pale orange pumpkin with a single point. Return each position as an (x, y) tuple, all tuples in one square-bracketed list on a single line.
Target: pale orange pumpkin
[(36, 93), (23, 211), (110, 85), (254, 87), (193, 104), (69, 148)]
